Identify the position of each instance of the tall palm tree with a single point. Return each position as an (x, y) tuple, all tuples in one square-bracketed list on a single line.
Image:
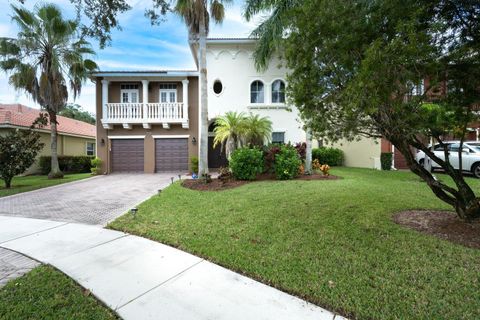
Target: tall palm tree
[(230, 131), (46, 57), (196, 15), (270, 33), (257, 129)]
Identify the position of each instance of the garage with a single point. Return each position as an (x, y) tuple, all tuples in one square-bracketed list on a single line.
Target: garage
[(127, 155), (171, 154)]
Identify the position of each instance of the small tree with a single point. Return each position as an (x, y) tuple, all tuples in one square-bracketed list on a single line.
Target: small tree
[(258, 130), (229, 131), (18, 150)]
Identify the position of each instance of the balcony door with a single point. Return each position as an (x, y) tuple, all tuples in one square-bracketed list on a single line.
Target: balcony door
[(129, 93), (168, 93)]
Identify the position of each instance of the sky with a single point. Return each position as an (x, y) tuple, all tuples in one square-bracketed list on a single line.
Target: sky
[(138, 46)]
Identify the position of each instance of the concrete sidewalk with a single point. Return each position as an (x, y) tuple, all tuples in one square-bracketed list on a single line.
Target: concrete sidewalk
[(143, 279)]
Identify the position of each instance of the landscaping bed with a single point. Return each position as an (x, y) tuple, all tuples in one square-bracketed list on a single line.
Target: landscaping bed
[(443, 224), (45, 293), (333, 244), (219, 185)]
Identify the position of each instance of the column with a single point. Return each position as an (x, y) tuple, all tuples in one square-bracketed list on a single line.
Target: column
[(104, 99), (185, 99), (145, 99)]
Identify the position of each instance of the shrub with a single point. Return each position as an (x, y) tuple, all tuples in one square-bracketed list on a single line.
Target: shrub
[(386, 159), (18, 150), (269, 153), (287, 163), (68, 164), (194, 164), (246, 163), (96, 165), (301, 150), (331, 156)]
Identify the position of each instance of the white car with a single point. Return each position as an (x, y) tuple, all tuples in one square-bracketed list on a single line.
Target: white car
[(470, 156)]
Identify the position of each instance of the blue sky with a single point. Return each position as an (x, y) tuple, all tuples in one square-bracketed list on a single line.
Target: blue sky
[(138, 46)]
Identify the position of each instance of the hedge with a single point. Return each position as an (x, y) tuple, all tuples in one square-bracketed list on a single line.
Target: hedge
[(68, 164), (386, 160), (331, 156)]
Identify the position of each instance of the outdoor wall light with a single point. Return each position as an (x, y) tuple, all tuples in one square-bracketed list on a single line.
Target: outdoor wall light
[(102, 142), (134, 211), (194, 140)]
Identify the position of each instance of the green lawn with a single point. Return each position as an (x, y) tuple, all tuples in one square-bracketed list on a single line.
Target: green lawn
[(45, 293), (330, 242), (29, 183)]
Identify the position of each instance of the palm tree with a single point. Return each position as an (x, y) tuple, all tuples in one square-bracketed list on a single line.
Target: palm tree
[(46, 57), (270, 33), (230, 131), (196, 15), (257, 129)]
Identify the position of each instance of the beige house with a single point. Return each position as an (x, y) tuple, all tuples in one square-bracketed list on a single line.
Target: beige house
[(75, 138), (147, 121)]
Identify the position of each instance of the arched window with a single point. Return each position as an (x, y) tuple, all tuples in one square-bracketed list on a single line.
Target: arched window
[(278, 91), (257, 93)]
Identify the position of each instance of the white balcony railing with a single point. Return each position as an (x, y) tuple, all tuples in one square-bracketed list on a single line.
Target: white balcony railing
[(145, 113)]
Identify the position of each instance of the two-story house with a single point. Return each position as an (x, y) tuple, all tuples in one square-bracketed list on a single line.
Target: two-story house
[(148, 121)]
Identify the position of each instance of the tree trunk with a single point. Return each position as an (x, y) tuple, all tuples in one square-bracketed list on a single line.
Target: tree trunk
[(462, 199), (55, 172), (8, 183), (203, 141), (308, 153)]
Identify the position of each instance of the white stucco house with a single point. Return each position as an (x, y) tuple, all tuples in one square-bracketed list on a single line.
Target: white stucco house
[(147, 121)]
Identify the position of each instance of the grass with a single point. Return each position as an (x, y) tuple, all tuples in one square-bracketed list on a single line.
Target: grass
[(45, 293), (330, 242), (29, 183)]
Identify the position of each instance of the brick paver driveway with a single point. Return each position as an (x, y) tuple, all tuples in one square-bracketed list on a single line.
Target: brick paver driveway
[(93, 201)]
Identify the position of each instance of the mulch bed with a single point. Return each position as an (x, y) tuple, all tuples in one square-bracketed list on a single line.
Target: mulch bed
[(218, 185), (442, 224)]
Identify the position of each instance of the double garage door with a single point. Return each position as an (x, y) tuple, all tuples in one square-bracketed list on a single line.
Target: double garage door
[(128, 155)]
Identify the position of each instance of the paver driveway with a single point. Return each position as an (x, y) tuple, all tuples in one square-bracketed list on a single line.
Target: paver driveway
[(96, 200)]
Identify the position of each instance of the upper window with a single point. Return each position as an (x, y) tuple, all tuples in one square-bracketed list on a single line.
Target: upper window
[(257, 93), (168, 92), (129, 93), (278, 91), (217, 87), (90, 148)]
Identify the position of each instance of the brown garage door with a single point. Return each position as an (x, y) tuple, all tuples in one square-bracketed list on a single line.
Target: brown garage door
[(171, 155), (127, 155)]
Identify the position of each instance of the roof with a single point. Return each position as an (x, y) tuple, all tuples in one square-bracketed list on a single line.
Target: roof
[(149, 73), (19, 115)]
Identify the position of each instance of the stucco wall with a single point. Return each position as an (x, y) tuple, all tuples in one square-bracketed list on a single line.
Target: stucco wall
[(104, 143), (361, 153), (233, 65)]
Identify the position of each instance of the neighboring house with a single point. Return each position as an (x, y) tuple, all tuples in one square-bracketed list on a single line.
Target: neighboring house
[(75, 138)]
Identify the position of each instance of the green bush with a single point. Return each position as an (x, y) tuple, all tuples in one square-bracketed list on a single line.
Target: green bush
[(246, 163), (331, 156), (96, 164), (386, 159), (287, 163), (194, 164), (68, 164)]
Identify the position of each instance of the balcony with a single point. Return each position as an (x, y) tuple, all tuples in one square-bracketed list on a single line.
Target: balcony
[(147, 114)]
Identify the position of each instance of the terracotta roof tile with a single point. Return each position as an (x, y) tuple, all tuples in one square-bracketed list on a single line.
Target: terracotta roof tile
[(23, 116)]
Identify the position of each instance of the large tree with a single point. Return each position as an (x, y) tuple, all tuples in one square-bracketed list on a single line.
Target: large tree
[(357, 67), (75, 111), (197, 15), (46, 59)]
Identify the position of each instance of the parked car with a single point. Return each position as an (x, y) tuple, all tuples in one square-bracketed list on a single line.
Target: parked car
[(470, 156)]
